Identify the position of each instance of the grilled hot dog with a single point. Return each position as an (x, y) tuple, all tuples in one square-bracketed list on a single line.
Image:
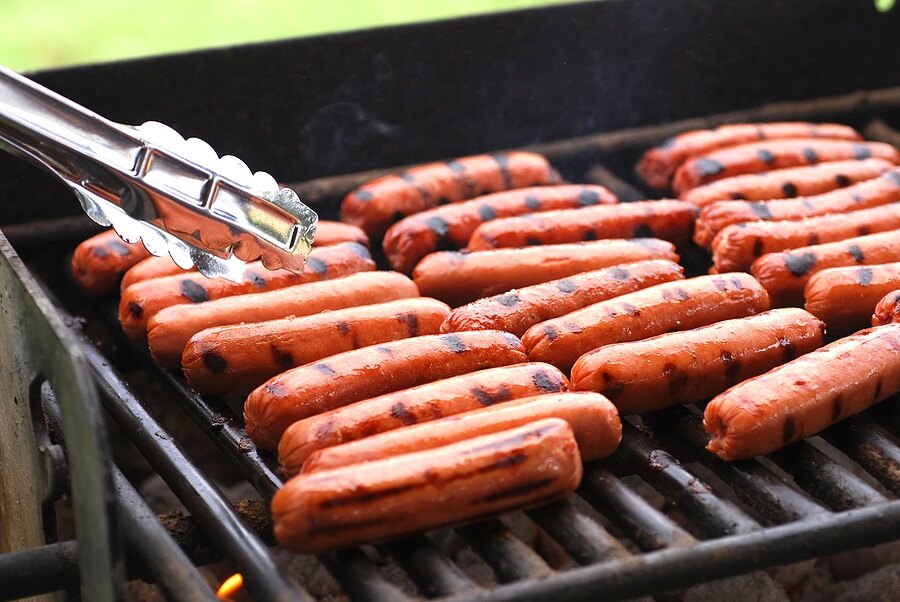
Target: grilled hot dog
[(370, 371), (331, 233), (774, 154), (846, 297), (458, 278), (518, 310), (378, 204), (99, 262), (667, 220), (785, 274), (803, 397), (888, 309), (787, 183), (678, 305), (658, 164), (417, 405), (237, 358), (594, 421), (694, 365), (519, 468), (143, 300), (149, 268)]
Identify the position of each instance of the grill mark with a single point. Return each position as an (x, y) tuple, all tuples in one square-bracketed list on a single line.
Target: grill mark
[(566, 286), (807, 205), (518, 490), (864, 276), (836, 407), (275, 389), (612, 387), (644, 231), (893, 176), (765, 156), (365, 497), (531, 241), (877, 390), (99, 252), (120, 248), (857, 253), (503, 163), (682, 294), (588, 197), (736, 283), (800, 264), (483, 397), (677, 378), (810, 155), (214, 362), (412, 323), (283, 358), (317, 265), (453, 343), (757, 247), (620, 274), (842, 180), (789, 189), (551, 332), (667, 295), (732, 366), (502, 394), (486, 213), (193, 292), (438, 226), (332, 529), (343, 327), (861, 151), (324, 369), (364, 195), (255, 279), (509, 299), (135, 309), (589, 235), (400, 412), (857, 197), (761, 210), (707, 167), (812, 239), (532, 202), (719, 283), (631, 310), (788, 432), (738, 196), (547, 382), (864, 230), (385, 350)]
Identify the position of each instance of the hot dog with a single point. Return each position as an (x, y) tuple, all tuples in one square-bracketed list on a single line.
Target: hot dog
[(803, 397), (774, 154), (99, 262), (787, 183), (417, 405), (880, 190), (594, 421), (170, 329), (659, 164), (370, 371), (785, 274), (846, 297), (450, 227), (888, 309), (142, 300), (518, 310), (376, 205), (738, 246), (149, 268), (331, 233), (519, 468), (678, 305), (694, 365), (458, 278), (667, 220), (237, 358)]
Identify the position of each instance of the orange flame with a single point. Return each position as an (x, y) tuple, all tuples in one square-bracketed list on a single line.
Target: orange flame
[(230, 586)]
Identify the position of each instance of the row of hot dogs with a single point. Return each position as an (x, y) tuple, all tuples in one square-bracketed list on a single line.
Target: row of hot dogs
[(347, 372)]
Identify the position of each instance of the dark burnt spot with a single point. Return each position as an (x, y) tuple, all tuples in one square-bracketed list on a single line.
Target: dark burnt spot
[(864, 230), (135, 310), (857, 198), (836, 407), (707, 167), (761, 210), (861, 151), (682, 294), (810, 155), (807, 205), (407, 177), (566, 286), (620, 274), (787, 434), (438, 226), (324, 369), (736, 283), (364, 195), (283, 358), (737, 196), (631, 310), (893, 176), (788, 350), (316, 265), (612, 387), (454, 343), (667, 294), (385, 350), (547, 381), (400, 412), (789, 189), (214, 362), (812, 239), (800, 264), (255, 279), (588, 197), (644, 231), (502, 394), (193, 292), (668, 142), (518, 490), (531, 241), (842, 180), (857, 253), (509, 299), (486, 212), (99, 252), (732, 366), (677, 378), (357, 249), (365, 497), (503, 163), (343, 327), (511, 339), (398, 215), (765, 156), (456, 166), (877, 394), (589, 235), (864, 276), (275, 389), (532, 202), (335, 528), (483, 397), (412, 322), (120, 248), (551, 332), (443, 201), (719, 283), (757, 247)]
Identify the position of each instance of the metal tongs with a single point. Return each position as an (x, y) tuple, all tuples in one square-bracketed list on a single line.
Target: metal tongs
[(177, 196)]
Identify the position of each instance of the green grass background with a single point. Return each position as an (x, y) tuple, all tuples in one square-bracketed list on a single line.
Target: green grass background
[(43, 33)]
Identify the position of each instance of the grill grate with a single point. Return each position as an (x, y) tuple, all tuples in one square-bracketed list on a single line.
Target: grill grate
[(804, 501)]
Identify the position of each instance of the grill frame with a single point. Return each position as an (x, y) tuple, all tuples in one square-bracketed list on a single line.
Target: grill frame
[(602, 158)]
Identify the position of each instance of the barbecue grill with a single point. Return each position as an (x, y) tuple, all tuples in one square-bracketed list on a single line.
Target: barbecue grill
[(590, 85)]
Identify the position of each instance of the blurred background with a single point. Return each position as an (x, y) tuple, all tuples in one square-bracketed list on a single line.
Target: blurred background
[(37, 34)]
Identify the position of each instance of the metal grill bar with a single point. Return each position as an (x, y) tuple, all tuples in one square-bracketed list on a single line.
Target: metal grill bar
[(510, 558), (579, 535), (433, 573), (870, 446), (359, 578)]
